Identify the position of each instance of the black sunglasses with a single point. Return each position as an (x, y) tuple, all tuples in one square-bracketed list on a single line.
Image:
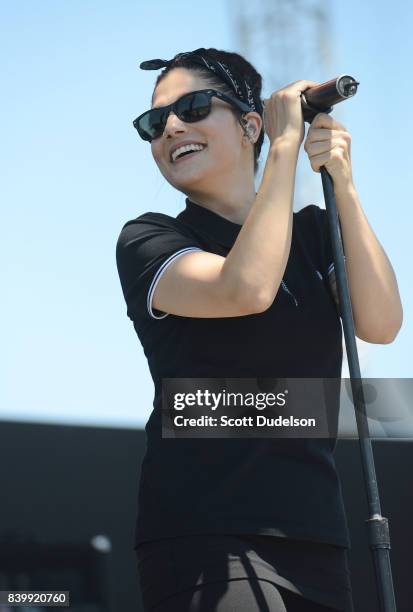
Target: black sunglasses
[(190, 107)]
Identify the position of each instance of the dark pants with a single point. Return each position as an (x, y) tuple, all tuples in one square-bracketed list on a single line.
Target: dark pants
[(239, 573), (241, 595)]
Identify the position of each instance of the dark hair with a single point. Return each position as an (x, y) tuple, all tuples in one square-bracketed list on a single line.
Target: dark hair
[(239, 66)]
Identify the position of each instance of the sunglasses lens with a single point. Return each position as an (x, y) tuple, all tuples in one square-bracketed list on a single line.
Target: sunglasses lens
[(152, 124), (194, 107)]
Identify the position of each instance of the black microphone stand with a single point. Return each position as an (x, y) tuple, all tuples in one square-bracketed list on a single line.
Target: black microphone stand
[(377, 525)]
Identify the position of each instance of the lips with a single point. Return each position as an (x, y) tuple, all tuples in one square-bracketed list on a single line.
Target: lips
[(185, 155), (183, 144)]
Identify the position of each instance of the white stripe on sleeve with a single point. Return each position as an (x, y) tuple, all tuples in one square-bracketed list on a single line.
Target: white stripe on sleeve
[(158, 275)]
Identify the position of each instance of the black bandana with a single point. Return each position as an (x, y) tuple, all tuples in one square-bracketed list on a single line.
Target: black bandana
[(240, 86)]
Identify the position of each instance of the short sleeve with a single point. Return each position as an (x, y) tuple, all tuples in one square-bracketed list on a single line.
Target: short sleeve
[(145, 248)]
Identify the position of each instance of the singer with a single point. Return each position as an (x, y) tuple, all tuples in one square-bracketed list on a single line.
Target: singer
[(238, 285)]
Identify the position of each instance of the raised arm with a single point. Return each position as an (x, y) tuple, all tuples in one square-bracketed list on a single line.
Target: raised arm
[(246, 281)]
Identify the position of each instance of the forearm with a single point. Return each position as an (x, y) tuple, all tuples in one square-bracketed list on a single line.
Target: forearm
[(255, 265), (375, 299)]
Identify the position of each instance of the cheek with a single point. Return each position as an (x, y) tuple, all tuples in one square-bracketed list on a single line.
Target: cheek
[(161, 162), (227, 148), (156, 154), (227, 141)]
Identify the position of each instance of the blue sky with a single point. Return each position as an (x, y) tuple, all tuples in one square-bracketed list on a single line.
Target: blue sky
[(74, 171)]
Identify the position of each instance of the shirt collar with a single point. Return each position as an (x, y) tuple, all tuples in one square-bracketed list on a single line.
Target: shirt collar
[(209, 224)]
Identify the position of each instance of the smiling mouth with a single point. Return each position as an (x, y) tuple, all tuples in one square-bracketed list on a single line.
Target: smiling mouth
[(187, 155)]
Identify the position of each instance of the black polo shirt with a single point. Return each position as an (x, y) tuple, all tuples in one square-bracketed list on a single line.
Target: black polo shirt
[(284, 487)]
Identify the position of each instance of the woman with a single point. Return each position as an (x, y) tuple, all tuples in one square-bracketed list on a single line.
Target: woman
[(237, 285)]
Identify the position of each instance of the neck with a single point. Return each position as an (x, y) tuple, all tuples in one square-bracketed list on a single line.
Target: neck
[(229, 196)]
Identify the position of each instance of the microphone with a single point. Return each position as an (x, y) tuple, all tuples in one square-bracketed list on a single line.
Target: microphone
[(322, 98)]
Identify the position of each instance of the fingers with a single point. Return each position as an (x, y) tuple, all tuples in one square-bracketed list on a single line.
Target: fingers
[(305, 84), (297, 86)]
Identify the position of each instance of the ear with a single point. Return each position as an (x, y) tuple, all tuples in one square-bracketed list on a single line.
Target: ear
[(252, 123)]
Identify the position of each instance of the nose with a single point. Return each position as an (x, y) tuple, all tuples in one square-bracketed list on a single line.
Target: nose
[(173, 124)]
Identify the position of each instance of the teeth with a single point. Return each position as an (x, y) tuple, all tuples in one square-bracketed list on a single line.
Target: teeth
[(189, 147)]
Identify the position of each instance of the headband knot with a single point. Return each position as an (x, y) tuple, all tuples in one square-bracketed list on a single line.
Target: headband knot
[(154, 64)]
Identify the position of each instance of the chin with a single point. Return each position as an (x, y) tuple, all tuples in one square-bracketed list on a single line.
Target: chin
[(194, 179), (186, 186)]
